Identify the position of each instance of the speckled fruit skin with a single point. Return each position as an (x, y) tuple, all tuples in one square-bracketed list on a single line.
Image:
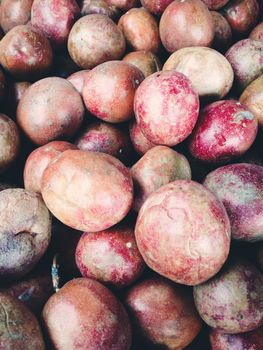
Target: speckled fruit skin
[(88, 191), (50, 109), (156, 7), (257, 32), (251, 65), (55, 18), (146, 61), (164, 312), (19, 328), (215, 4), (240, 188), (9, 142), (223, 33), (140, 143), (183, 232), (226, 129), (166, 107), (252, 340), (95, 39), (252, 98), (109, 90), (209, 71), (186, 23), (85, 315), (89, 7), (140, 29), (232, 301), (77, 79), (39, 159), (14, 13), (159, 166), (242, 15), (25, 53), (123, 5), (110, 256), (106, 138), (25, 232)]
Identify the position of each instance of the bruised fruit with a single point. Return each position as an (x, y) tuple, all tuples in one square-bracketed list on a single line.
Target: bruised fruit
[(88, 191), (85, 315), (166, 107), (146, 61), (140, 143), (183, 232)]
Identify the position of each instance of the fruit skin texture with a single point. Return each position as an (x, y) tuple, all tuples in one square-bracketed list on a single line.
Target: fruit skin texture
[(183, 232), (55, 18), (156, 7), (166, 107), (159, 166), (39, 159), (252, 98), (88, 191), (25, 232), (223, 33), (257, 32), (123, 5), (215, 4), (19, 328), (186, 23), (140, 143), (146, 61), (140, 29), (85, 315), (222, 341), (50, 109), (157, 299), (232, 301), (240, 188), (209, 71), (89, 7), (109, 89), (226, 129), (77, 79), (36, 59), (14, 13), (251, 65), (110, 256), (95, 39)]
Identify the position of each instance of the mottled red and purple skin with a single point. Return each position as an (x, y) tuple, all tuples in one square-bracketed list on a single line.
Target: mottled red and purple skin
[(50, 109), (33, 290), (183, 232), (242, 15), (19, 328), (166, 107), (55, 18), (146, 61), (123, 5), (140, 143), (106, 138), (251, 65), (223, 33), (25, 232), (110, 256), (39, 159), (159, 166), (84, 314), (215, 4), (109, 90), (240, 188), (257, 32), (186, 23), (14, 13), (140, 29), (225, 130), (156, 7), (89, 7), (9, 142), (95, 39), (25, 53), (245, 341), (88, 191), (164, 312), (232, 301), (77, 79)]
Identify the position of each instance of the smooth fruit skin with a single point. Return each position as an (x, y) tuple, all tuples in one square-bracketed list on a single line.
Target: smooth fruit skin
[(140, 143), (240, 188), (146, 61), (215, 4), (85, 315), (232, 301), (77, 79), (223, 33), (183, 232), (14, 13), (156, 7), (226, 129), (257, 32), (166, 107)]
